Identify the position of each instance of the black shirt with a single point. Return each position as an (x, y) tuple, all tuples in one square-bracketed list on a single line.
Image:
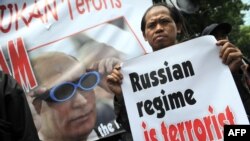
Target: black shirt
[(16, 122)]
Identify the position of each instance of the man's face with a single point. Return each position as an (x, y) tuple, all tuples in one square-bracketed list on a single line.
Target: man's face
[(74, 118), (160, 29), (220, 34)]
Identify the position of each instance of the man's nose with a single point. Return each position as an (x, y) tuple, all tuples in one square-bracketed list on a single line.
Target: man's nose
[(159, 28), (79, 99)]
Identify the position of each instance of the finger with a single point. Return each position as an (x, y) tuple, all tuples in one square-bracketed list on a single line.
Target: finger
[(116, 76), (233, 57), (228, 54), (221, 42), (111, 79), (118, 73), (226, 46)]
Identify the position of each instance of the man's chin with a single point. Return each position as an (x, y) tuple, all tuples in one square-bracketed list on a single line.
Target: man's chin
[(80, 134)]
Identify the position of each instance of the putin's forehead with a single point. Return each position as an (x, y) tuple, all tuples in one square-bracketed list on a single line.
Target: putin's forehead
[(57, 68), (65, 75)]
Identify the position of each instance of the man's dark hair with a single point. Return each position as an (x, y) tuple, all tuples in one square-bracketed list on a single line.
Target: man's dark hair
[(174, 12)]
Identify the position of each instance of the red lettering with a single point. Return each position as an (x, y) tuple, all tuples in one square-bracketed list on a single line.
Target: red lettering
[(16, 15), (164, 131), (35, 13), (206, 128), (20, 63), (173, 133), (207, 121), (180, 127), (8, 27), (229, 115), (144, 126), (79, 4), (217, 130), (3, 62), (53, 11), (97, 7), (87, 2), (118, 4), (19, 15), (105, 4), (189, 127), (199, 130), (221, 120), (153, 135), (70, 10), (112, 3)]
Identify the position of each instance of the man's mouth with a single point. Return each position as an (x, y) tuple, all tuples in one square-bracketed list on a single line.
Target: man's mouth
[(81, 118), (159, 37)]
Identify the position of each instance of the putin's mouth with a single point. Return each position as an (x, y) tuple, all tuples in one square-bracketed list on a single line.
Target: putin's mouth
[(81, 118)]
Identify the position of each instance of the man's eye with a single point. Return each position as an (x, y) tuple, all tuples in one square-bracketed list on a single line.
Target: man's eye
[(164, 21), (151, 25)]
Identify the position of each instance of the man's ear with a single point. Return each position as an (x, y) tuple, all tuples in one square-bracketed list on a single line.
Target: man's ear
[(37, 103)]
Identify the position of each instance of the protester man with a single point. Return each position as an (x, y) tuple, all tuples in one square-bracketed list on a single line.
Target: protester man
[(16, 122), (160, 26), (241, 76)]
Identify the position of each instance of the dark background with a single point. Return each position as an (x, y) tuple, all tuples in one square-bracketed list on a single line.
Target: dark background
[(200, 13)]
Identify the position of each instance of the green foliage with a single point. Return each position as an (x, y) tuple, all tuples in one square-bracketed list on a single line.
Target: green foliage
[(217, 11), (244, 40)]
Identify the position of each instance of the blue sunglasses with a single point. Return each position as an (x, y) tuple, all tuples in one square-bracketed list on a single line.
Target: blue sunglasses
[(67, 90)]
